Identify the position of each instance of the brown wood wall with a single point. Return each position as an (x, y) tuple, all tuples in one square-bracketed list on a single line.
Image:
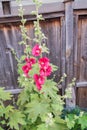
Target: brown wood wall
[(54, 28), (82, 61)]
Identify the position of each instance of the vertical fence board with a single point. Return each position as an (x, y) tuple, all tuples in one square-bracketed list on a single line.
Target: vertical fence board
[(82, 63), (69, 50), (63, 53), (82, 97)]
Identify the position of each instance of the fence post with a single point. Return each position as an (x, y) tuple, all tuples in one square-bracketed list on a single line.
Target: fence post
[(70, 103), (1, 12)]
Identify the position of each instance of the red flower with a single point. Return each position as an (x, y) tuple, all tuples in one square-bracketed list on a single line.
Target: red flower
[(30, 60), (46, 71), (26, 68), (39, 80), (36, 51), (44, 62)]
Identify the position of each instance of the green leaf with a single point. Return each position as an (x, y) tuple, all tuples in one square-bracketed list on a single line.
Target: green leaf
[(16, 118), (50, 89), (57, 107), (23, 98), (22, 57), (83, 121), (45, 49), (70, 121), (4, 95), (28, 50), (34, 13), (36, 108), (1, 128), (42, 127), (68, 93), (59, 120), (2, 110), (58, 126), (8, 110), (54, 67), (35, 70)]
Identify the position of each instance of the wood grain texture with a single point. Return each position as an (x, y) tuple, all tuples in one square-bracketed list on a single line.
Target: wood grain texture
[(63, 53), (28, 7), (82, 97), (8, 41), (82, 51), (75, 47), (69, 51), (81, 92), (1, 11), (52, 30)]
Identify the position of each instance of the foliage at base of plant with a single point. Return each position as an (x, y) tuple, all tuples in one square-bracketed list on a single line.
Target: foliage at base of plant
[(76, 119), (10, 118)]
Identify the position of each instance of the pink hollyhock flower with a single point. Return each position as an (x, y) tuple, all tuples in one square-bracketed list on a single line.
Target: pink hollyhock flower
[(30, 60), (26, 68), (44, 62), (39, 80), (36, 51), (46, 71)]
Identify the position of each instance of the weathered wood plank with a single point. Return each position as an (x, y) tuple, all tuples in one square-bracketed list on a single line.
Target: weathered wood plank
[(83, 58), (12, 81), (63, 53), (82, 63), (80, 4), (46, 8), (82, 51), (14, 91), (8, 65), (13, 19), (82, 97), (82, 13), (75, 41), (81, 84), (3, 78), (69, 50), (52, 30), (1, 11), (79, 47)]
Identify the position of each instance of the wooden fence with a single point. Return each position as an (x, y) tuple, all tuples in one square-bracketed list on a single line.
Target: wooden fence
[(65, 26)]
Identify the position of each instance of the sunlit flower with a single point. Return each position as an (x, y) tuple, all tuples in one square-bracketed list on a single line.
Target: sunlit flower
[(36, 51), (43, 62), (30, 60), (26, 68), (46, 71)]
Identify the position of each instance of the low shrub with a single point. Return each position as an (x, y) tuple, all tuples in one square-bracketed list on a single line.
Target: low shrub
[(76, 119)]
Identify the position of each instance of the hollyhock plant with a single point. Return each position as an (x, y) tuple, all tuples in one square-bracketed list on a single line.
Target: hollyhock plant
[(36, 51), (39, 100), (39, 80), (39, 105)]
